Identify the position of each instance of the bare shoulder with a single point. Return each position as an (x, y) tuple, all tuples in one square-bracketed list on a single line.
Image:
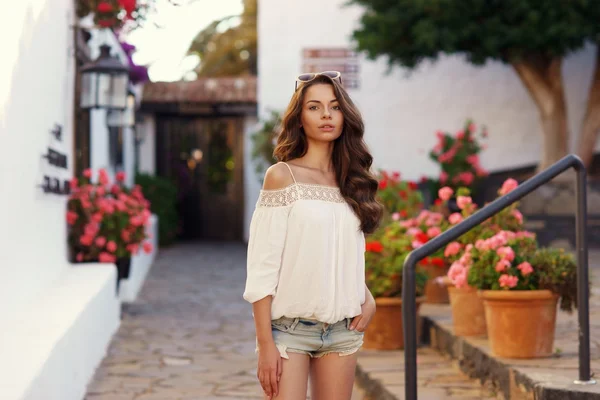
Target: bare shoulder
[(277, 177)]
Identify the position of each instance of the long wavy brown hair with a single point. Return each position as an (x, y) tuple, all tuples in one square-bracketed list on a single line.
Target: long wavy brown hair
[(351, 158)]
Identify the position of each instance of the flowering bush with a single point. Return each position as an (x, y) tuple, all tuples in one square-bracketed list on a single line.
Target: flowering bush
[(510, 218), (384, 259), (402, 199), (458, 157), (512, 261), (106, 221)]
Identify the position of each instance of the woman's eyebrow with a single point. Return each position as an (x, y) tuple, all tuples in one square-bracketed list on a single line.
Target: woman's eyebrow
[(317, 101)]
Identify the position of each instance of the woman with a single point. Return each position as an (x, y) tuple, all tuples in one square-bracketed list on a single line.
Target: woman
[(305, 267)]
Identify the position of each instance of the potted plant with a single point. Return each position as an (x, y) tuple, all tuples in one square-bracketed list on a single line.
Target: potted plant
[(385, 253), (458, 158), (401, 199), (106, 221), (468, 315), (520, 285)]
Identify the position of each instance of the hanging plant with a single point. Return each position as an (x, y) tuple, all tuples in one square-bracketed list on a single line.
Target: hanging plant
[(115, 13), (263, 143)]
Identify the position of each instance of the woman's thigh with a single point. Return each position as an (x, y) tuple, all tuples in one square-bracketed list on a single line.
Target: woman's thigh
[(332, 376), (294, 377)]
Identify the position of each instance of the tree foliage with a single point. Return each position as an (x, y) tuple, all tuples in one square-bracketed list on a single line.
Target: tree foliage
[(410, 31), (230, 52)]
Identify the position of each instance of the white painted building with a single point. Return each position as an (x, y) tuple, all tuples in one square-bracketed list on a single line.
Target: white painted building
[(403, 110), (57, 318)]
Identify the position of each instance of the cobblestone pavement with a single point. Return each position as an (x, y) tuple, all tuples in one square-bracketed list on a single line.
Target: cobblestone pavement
[(190, 335)]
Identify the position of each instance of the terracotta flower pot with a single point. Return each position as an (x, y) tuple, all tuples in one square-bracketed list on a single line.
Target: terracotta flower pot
[(385, 332), (468, 315), (435, 292), (520, 323)]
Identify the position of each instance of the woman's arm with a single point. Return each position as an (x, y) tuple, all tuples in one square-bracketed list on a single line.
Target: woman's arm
[(368, 309)]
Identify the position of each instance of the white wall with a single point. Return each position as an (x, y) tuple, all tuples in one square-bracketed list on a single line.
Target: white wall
[(36, 92), (57, 319), (147, 163), (402, 112)]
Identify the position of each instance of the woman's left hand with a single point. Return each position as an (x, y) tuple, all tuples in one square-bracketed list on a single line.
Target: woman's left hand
[(360, 322)]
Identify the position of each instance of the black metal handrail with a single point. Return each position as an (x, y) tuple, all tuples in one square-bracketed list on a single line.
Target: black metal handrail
[(409, 312)]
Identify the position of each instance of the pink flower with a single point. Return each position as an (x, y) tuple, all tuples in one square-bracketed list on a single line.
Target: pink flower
[(111, 246), (100, 191), (508, 281), (408, 223), (443, 177), (525, 234), (132, 248), (100, 241), (103, 177), (73, 183), (466, 177), (126, 236), (445, 193), (79, 257), (463, 202), (147, 247), (502, 265), (86, 240), (458, 274), (413, 231), (473, 159), (87, 173), (460, 134), (416, 244), (518, 216), (120, 176), (452, 249), (396, 216), (525, 268), (97, 217), (506, 253), (508, 186), (71, 217), (115, 189), (433, 231), (455, 218), (106, 258), (471, 127)]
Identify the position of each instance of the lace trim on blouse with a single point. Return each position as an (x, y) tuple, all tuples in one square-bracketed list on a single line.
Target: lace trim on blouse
[(299, 191)]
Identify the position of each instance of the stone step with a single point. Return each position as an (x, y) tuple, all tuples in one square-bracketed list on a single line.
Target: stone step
[(380, 374), (540, 379)]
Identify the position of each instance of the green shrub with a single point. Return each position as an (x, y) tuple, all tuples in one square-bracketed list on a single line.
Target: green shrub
[(162, 194)]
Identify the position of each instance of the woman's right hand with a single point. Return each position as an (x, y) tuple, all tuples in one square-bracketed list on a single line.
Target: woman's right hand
[(269, 368)]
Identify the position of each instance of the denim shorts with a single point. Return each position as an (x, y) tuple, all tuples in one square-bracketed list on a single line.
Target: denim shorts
[(315, 338)]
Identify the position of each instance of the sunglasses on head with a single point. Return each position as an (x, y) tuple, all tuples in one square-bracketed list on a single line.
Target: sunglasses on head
[(310, 76)]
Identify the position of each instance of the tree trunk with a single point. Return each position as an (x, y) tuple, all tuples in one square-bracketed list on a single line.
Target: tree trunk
[(542, 78), (591, 121)]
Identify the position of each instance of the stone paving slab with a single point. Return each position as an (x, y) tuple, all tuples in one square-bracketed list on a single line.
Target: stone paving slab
[(547, 378), (381, 374), (190, 336)]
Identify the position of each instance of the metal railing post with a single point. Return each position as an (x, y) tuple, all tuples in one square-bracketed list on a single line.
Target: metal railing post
[(409, 313)]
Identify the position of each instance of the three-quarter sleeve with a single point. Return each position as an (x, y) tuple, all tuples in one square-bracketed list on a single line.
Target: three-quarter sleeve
[(265, 247)]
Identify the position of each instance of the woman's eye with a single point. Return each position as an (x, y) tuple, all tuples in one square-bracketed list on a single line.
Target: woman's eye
[(336, 108), (312, 108)]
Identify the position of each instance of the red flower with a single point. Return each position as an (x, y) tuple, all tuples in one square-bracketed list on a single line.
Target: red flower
[(438, 262), (120, 176), (375, 247), (422, 237), (128, 5), (424, 261), (413, 185), (383, 184), (403, 194), (104, 7), (403, 213), (437, 202)]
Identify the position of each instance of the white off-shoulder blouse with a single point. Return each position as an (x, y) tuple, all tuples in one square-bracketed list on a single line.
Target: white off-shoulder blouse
[(306, 249)]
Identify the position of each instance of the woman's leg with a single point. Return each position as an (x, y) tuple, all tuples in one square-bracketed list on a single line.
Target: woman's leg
[(332, 376), (294, 377)]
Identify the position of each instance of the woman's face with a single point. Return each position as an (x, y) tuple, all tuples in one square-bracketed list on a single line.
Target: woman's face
[(321, 116)]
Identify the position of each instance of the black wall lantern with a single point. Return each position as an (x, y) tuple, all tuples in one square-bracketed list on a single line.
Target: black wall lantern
[(104, 82)]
